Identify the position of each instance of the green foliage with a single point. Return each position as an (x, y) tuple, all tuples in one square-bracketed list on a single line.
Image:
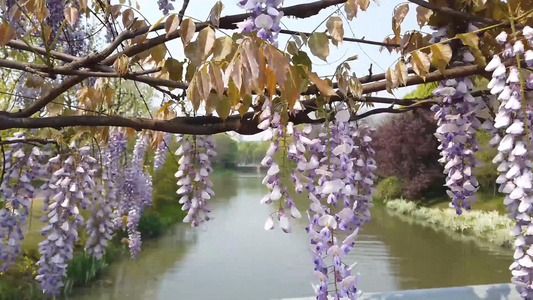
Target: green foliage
[(150, 225), (389, 188), (251, 152), (227, 151), (422, 91), (486, 173)]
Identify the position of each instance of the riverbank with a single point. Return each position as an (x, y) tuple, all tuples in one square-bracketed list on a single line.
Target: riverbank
[(489, 226)]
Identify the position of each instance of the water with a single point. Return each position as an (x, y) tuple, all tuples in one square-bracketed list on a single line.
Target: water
[(236, 259)]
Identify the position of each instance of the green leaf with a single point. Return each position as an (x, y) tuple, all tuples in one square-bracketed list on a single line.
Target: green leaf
[(292, 48), (319, 45), (211, 103), (174, 69), (224, 108), (302, 59)]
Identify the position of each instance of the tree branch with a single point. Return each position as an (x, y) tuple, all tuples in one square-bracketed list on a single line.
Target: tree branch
[(347, 39), (451, 12)]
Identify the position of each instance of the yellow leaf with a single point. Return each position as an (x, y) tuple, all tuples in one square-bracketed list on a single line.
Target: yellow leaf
[(420, 62), (128, 17), (224, 108), (422, 15), (71, 15), (7, 33), (401, 73), (335, 29), (351, 9), (319, 45), (271, 82), (223, 47), (392, 80), (187, 30), (322, 85), (121, 65), (172, 24), (364, 4), (441, 55), (108, 95), (233, 93), (470, 39), (156, 24), (194, 53)]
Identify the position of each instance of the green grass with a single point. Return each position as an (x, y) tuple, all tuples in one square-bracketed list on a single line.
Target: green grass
[(486, 225), (485, 202)]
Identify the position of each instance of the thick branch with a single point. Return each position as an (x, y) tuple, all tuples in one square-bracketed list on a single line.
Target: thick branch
[(455, 13)]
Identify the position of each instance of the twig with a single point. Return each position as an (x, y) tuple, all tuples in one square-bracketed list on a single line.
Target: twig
[(182, 11)]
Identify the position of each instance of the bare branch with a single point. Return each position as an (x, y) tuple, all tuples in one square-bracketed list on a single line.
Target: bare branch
[(183, 9), (455, 13)]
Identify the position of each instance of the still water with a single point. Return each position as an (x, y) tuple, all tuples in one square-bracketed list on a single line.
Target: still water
[(235, 258)]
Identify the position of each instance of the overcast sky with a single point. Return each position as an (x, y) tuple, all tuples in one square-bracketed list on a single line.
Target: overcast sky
[(374, 24)]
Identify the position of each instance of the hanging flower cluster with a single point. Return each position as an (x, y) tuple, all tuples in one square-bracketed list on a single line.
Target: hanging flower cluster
[(161, 152), (72, 186), (293, 143), (456, 118), (344, 180), (106, 195), (23, 164), (514, 158), (195, 187), (265, 18)]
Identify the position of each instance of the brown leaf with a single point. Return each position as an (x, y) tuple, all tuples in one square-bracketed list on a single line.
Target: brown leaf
[(114, 10), (206, 40), (7, 33), (128, 17), (335, 29), (217, 82), (350, 7), (187, 30), (174, 69), (422, 15), (82, 4), (172, 24), (71, 15), (322, 85), (391, 79), (214, 14), (211, 103), (400, 12), (278, 62)]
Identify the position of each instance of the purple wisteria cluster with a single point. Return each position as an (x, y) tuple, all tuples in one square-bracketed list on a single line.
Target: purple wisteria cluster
[(72, 186), (265, 18), (340, 203), (161, 152), (165, 6), (456, 132), (195, 187), (514, 156), (23, 164), (107, 193)]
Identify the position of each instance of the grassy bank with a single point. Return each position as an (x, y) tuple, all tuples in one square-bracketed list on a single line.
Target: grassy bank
[(486, 225)]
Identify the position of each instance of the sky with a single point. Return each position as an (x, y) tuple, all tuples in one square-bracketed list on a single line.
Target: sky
[(374, 24)]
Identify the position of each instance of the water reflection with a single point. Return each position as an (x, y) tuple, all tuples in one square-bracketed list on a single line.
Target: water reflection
[(236, 259)]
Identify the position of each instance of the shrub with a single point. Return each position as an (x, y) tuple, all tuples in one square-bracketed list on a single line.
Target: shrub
[(150, 225), (389, 188)]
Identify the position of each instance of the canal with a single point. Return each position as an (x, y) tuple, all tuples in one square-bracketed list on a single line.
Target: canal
[(235, 258)]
